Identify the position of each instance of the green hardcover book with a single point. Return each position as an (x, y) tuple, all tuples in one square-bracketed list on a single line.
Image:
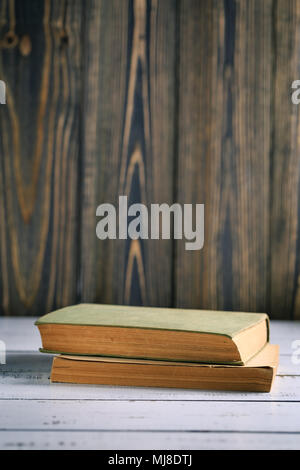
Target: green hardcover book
[(154, 333)]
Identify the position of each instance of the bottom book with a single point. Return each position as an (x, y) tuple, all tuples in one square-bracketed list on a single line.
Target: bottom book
[(256, 376)]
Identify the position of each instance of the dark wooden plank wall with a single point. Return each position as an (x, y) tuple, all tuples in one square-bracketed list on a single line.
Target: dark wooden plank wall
[(224, 151), (285, 241), (40, 62), (128, 144), (163, 101)]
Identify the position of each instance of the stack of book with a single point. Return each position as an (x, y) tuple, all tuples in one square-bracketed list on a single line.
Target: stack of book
[(159, 347)]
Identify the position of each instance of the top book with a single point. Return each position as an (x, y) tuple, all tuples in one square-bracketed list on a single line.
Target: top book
[(154, 333)]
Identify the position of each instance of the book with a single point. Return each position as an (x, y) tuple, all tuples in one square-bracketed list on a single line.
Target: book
[(154, 333), (256, 376)]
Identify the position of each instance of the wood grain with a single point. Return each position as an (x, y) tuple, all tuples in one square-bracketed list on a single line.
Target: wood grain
[(128, 144), (285, 261), (223, 151), (40, 63), (85, 440), (111, 415), (164, 101)]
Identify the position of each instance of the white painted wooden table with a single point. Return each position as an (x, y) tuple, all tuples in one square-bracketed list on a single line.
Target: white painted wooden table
[(35, 414)]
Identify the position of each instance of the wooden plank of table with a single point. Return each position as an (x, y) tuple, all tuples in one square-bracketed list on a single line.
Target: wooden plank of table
[(19, 334), (107, 440), (35, 385), (127, 144), (40, 64), (114, 415), (223, 151), (36, 414), (285, 292)]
